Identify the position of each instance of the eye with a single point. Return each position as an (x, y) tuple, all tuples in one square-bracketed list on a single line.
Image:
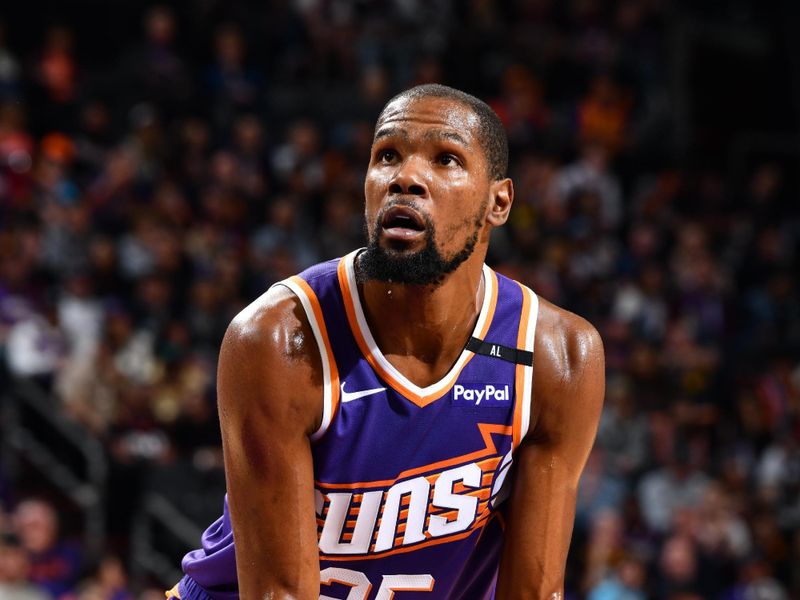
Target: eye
[(387, 156), (447, 160)]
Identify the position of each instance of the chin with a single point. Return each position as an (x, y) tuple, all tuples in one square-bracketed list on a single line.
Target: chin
[(417, 262), (401, 247)]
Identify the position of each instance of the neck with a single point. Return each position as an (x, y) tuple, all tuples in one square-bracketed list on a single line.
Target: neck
[(422, 330)]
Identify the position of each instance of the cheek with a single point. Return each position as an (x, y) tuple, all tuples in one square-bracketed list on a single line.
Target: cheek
[(457, 187), (458, 221), (459, 199), (374, 184), (371, 195), (377, 178)]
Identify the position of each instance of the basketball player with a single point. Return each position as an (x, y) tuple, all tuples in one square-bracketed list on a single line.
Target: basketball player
[(403, 420)]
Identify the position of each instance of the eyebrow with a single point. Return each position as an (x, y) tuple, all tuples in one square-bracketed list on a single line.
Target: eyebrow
[(446, 135), (430, 135), (389, 132)]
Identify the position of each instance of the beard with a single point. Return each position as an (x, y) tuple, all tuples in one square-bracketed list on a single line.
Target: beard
[(427, 266)]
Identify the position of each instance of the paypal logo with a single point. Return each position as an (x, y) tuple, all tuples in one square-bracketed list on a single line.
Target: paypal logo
[(487, 394)]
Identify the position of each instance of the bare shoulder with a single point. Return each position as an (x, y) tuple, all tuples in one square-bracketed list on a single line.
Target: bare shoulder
[(274, 323), (566, 340), (269, 357), (569, 368)]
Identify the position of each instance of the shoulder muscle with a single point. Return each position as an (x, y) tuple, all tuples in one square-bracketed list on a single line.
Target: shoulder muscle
[(269, 362), (569, 377)]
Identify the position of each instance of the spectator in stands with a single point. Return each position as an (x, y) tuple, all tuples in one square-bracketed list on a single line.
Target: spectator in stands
[(15, 571), (56, 77), (110, 582), (605, 546), (235, 87), (591, 174), (36, 346), (9, 69), (297, 162), (721, 532), (676, 485), (55, 564), (601, 490), (287, 229), (155, 70), (678, 569), (623, 430), (755, 581), (626, 582)]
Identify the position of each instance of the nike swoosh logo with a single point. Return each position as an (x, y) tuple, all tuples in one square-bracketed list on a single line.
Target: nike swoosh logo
[(350, 396)]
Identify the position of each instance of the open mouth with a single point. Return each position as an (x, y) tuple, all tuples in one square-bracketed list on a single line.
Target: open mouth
[(402, 222)]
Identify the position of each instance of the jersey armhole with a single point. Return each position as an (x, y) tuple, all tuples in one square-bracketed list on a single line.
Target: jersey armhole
[(525, 340), (330, 375)]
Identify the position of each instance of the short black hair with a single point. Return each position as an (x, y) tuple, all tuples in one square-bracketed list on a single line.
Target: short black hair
[(493, 136)]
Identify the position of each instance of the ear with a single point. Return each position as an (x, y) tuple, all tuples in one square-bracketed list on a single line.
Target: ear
[(502, 192)]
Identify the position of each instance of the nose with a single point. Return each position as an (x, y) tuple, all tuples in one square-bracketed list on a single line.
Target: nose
[(408, 179)]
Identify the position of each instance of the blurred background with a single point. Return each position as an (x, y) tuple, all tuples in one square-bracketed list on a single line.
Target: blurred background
[(162, 164)]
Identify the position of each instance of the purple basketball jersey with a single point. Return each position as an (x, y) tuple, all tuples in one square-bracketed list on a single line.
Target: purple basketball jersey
[(409, 481)]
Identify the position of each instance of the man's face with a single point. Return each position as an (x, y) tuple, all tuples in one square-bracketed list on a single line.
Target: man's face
[(427, 191), (37, 525)]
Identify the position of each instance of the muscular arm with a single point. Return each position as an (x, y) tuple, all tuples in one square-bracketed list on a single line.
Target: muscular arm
[(569, 382), (270, 393)]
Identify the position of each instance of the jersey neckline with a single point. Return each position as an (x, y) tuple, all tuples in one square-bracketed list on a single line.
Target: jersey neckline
[(421, 396)]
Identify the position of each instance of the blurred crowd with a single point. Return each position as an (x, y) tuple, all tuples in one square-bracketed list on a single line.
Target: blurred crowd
[(36, 563), (146, 198)]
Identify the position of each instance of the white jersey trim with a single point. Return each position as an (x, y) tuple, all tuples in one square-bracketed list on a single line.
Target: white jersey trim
[(327, 396), (530, 338)]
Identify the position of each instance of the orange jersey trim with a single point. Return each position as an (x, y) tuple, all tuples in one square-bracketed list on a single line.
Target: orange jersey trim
[(332, 580), (416, 589), (333, 371)]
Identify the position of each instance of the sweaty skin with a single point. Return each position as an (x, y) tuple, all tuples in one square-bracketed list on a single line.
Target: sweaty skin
[(426, 153)]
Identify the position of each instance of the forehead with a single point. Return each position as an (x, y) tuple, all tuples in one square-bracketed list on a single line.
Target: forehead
[(429, 114)]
